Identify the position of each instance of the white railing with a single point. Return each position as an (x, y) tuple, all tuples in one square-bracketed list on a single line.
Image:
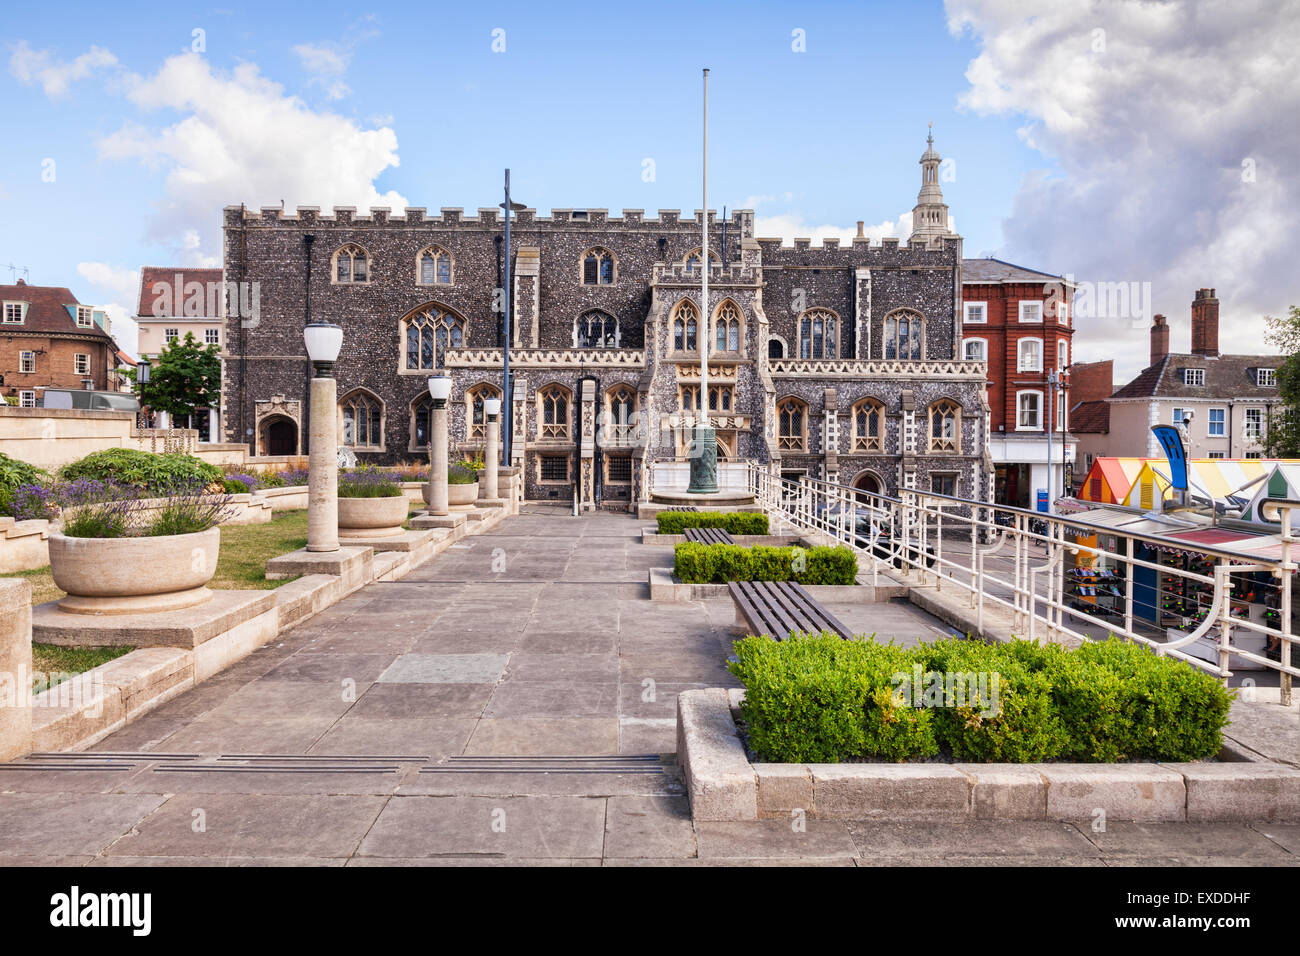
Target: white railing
[(1043, 569)]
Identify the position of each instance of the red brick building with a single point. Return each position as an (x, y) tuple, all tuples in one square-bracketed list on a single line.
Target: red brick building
[(50, 340), (1020, 321)]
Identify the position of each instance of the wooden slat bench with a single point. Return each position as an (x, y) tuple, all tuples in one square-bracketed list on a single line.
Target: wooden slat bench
[(682, 508), (776, 608), (709, 536)]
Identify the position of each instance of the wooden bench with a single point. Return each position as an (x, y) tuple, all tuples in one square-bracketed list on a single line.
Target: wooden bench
[(682, 508), (776, 608), (709, 536)]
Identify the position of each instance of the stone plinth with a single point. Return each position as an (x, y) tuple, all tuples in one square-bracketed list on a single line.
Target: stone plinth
[(15, 668), (187, 627), (454, 522), (352, 564)]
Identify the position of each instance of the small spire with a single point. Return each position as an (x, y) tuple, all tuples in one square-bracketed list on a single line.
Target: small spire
[(930, 138)]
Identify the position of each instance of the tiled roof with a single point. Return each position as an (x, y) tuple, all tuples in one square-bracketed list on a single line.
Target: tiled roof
[(996, 270), (47, 310), (152, 275), (1226, 376), (1091, 418)]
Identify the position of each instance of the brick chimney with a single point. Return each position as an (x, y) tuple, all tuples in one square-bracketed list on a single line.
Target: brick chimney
[(1159, 338), (1205, 323)]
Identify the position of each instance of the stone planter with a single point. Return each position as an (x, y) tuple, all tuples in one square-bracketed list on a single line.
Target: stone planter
[(372, 517), (134, 575), (462, 497)]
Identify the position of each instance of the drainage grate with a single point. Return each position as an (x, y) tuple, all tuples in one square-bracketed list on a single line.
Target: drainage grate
[(94, 760), (616, 763), (298, 763)]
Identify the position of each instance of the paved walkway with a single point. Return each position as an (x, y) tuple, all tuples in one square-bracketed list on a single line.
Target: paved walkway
[(409, 723)]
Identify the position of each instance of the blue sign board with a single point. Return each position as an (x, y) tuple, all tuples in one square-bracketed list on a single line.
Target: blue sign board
[(1042, 499), (1172, 443)]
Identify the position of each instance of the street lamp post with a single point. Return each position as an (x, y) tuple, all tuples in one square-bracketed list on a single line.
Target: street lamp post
[(509, 207), (439, 391), (492, 412), (704, 447), (323, 340), (1056, 382)]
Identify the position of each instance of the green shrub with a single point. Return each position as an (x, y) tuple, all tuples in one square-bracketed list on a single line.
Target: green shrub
[(368, 482), (14, 473), (824, 699), (820, 699), (736, 522), (696, 563), (1007, 717), (1120, 701), (143, 470), (461, 473)]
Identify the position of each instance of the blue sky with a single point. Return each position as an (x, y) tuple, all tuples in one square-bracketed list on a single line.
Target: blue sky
[(333, 103)]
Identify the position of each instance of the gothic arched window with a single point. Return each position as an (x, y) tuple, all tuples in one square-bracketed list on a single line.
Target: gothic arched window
[(685, 327), (945, 426), (792, 424), (904, 336), (427, 334), (595, 330), (475, 416), (553, 412), (818, 334), (868, 426), (434, 267), (726, 325), (351, 265), (361, 416), (598, 267)]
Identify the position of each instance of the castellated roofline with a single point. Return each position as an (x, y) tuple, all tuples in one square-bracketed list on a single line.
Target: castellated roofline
[(486, 216)]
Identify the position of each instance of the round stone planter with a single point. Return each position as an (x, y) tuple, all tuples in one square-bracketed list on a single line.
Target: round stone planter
[(372, 517), (134, 575), (462, 496)]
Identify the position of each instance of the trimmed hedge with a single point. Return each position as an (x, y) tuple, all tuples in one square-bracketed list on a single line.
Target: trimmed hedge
[(736, 522), (695, 563), (143, 470), (821, 699)]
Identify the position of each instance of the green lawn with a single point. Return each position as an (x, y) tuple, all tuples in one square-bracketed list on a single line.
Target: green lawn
[(241, 566), (52, 665)]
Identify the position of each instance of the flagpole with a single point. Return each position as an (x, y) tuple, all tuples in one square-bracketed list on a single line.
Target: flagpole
[(704, 447), (703, 417)]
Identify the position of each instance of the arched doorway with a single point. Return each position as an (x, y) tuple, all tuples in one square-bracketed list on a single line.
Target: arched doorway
[(868, 483), (279, 437)]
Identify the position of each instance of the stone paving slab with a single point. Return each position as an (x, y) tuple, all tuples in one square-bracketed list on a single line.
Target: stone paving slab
[(559, 667), (445, 669)]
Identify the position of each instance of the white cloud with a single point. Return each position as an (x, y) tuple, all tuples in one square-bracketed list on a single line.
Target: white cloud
[(326, 63), (55, 76), (791, 226), (120, 287), (1148, 112), (240, 138)]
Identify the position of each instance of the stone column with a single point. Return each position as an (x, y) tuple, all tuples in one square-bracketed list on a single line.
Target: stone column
[(438, 458), (491, 456), (323, 468), (15, 668)]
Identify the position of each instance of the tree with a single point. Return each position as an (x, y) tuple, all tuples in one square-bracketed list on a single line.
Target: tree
[(1283, 438), (186, 377)]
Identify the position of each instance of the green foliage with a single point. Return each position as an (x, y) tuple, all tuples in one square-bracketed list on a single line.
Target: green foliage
[(820, 699), (101, 520), (823, 699), (368, 482), (14, 473), (1282, 440), (695, 563), (143, 470), (737, 522), (461, 473), (185, 377)]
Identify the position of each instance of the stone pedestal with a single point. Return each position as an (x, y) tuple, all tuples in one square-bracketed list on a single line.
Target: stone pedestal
[(491, 458), (437, 497), (15, 668), (352, 564), (323, 471)]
